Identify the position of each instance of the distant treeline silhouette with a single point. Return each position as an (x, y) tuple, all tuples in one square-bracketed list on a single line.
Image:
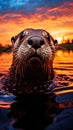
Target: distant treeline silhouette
[(7, 48), (65, 45)]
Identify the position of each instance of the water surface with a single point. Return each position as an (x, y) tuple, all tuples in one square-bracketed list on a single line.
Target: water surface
[(50, 111)]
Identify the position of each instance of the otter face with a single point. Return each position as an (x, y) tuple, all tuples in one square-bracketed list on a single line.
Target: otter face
[(35, 47), (33, 54)]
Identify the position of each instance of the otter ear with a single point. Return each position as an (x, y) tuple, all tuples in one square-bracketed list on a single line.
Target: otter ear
[(13, 39), (55, 42)]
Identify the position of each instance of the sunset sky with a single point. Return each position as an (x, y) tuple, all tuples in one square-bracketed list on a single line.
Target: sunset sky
[(55, 16)]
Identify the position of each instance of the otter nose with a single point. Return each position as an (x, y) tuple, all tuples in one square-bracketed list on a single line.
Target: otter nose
[(36, 42)]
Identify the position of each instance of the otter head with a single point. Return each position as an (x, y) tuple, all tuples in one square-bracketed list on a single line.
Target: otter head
[(33, 54)]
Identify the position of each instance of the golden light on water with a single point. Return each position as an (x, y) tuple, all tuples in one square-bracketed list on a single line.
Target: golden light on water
[(5, 62), (63, 62), (63, 65)]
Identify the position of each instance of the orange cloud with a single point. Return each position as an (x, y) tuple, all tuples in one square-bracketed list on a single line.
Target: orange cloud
[(58, 21)]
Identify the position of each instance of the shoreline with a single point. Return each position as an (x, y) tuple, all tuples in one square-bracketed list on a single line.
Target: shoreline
[(62, 46)]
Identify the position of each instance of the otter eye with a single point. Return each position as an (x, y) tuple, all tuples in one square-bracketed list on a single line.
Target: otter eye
[(22, 35), (46, 35)]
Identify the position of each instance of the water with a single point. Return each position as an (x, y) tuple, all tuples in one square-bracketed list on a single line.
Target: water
[(50, 111)]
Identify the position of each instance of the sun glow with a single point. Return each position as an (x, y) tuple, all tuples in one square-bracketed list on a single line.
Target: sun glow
[(59, 39)]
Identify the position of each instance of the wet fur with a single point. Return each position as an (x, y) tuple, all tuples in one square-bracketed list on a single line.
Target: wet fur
[(21, 72)]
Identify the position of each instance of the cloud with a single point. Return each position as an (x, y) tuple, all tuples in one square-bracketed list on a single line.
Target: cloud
[(55, 16), (69, 33), (28, 7), (31, 8)]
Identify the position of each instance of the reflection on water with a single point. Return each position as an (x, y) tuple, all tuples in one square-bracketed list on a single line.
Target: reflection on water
[(50, 111), (36, 112), (5, 62), (63, 62)]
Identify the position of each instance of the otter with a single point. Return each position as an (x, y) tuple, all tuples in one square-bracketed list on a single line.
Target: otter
[(32, 64)]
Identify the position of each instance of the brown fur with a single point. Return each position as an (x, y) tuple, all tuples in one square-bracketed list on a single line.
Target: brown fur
[(30, 65)]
